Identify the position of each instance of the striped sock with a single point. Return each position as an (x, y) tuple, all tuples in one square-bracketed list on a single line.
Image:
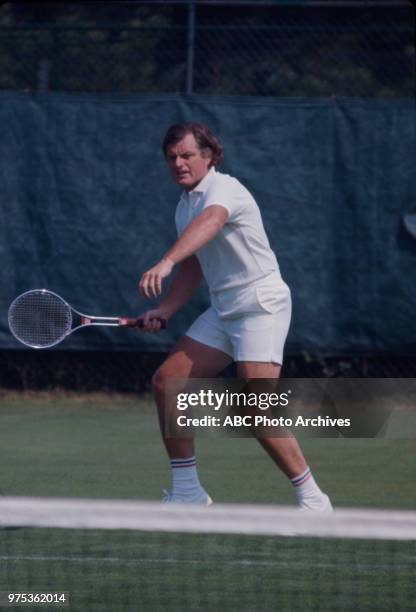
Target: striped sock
[(185, 479), (306, 489)]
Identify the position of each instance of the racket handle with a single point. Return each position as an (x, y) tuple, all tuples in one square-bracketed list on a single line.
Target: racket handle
[(138, 322)]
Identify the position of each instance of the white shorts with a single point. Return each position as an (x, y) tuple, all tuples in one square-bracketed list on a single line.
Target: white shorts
[(249, 324)]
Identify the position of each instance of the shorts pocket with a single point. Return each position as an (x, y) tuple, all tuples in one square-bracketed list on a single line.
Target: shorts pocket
[(272, 297)]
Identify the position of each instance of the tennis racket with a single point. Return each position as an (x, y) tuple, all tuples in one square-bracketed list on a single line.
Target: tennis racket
[(41, 319)]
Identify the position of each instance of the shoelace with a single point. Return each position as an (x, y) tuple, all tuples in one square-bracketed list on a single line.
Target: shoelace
[(168, 496)]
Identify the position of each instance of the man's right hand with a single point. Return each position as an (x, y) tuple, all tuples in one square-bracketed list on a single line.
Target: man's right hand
[(152, 319)]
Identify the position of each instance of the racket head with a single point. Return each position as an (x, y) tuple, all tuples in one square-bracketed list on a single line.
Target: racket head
[(40, 318)]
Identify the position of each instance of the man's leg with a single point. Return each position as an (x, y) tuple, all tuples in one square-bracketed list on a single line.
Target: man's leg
[(189, 359), (285, 451)]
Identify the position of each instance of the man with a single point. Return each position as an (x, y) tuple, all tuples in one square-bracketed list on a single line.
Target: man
[(221, 238)]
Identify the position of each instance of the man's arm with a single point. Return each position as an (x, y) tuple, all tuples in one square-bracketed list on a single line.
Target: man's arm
[(183, 286), (181, 290), (200, 231)]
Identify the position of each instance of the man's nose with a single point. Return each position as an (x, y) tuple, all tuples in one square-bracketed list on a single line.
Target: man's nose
[(178, 162)]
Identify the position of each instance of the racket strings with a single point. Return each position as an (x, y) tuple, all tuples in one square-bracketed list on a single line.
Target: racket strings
[(40, 319)]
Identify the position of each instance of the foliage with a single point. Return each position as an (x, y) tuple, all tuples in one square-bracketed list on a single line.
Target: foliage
[(275, 51)]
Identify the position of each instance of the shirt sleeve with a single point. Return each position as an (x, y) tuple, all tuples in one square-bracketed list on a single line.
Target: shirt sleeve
[(225, 193)]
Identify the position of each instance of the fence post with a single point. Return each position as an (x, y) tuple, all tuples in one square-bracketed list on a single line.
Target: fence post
[(190, 50)]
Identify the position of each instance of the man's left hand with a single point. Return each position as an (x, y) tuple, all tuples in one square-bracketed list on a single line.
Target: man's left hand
[(151, 282)]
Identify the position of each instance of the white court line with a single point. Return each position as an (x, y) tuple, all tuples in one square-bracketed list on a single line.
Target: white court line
[(220, 518), (243, 562)]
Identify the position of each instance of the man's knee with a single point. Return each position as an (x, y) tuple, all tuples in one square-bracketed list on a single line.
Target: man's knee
[(159, 381)]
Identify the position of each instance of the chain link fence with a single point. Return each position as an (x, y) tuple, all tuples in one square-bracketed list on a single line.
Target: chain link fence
[(301, 49), (131, 372)]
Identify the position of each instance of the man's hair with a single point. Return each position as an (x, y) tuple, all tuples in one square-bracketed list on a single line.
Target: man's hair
[(205, 139)]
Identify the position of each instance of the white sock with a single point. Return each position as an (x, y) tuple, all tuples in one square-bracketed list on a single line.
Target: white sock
[(307, 491), (185, 479)]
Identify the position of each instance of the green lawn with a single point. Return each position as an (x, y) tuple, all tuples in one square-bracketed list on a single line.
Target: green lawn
[(133, 571), (109, 446)]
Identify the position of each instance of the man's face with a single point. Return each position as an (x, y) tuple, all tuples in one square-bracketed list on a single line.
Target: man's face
[(187, 163)]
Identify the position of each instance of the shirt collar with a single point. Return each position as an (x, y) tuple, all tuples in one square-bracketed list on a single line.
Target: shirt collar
[(204, 184), (200, 188)]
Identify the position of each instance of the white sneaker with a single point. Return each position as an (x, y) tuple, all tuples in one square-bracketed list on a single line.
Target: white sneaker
[(201, 497), (321, 506)]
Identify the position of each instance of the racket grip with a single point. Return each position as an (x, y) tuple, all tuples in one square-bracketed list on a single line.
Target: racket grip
[(138, 322)]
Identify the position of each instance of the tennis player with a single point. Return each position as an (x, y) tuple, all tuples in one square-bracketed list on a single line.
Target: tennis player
[(222, 239)]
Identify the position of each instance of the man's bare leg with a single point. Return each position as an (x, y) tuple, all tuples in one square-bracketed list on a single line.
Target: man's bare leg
[(189, 359), (285, 451)]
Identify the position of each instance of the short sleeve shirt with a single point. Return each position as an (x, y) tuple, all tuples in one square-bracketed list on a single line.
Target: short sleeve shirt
[(240, 253)]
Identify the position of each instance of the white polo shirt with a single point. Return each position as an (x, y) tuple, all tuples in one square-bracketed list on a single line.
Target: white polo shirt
[(240, 253)]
